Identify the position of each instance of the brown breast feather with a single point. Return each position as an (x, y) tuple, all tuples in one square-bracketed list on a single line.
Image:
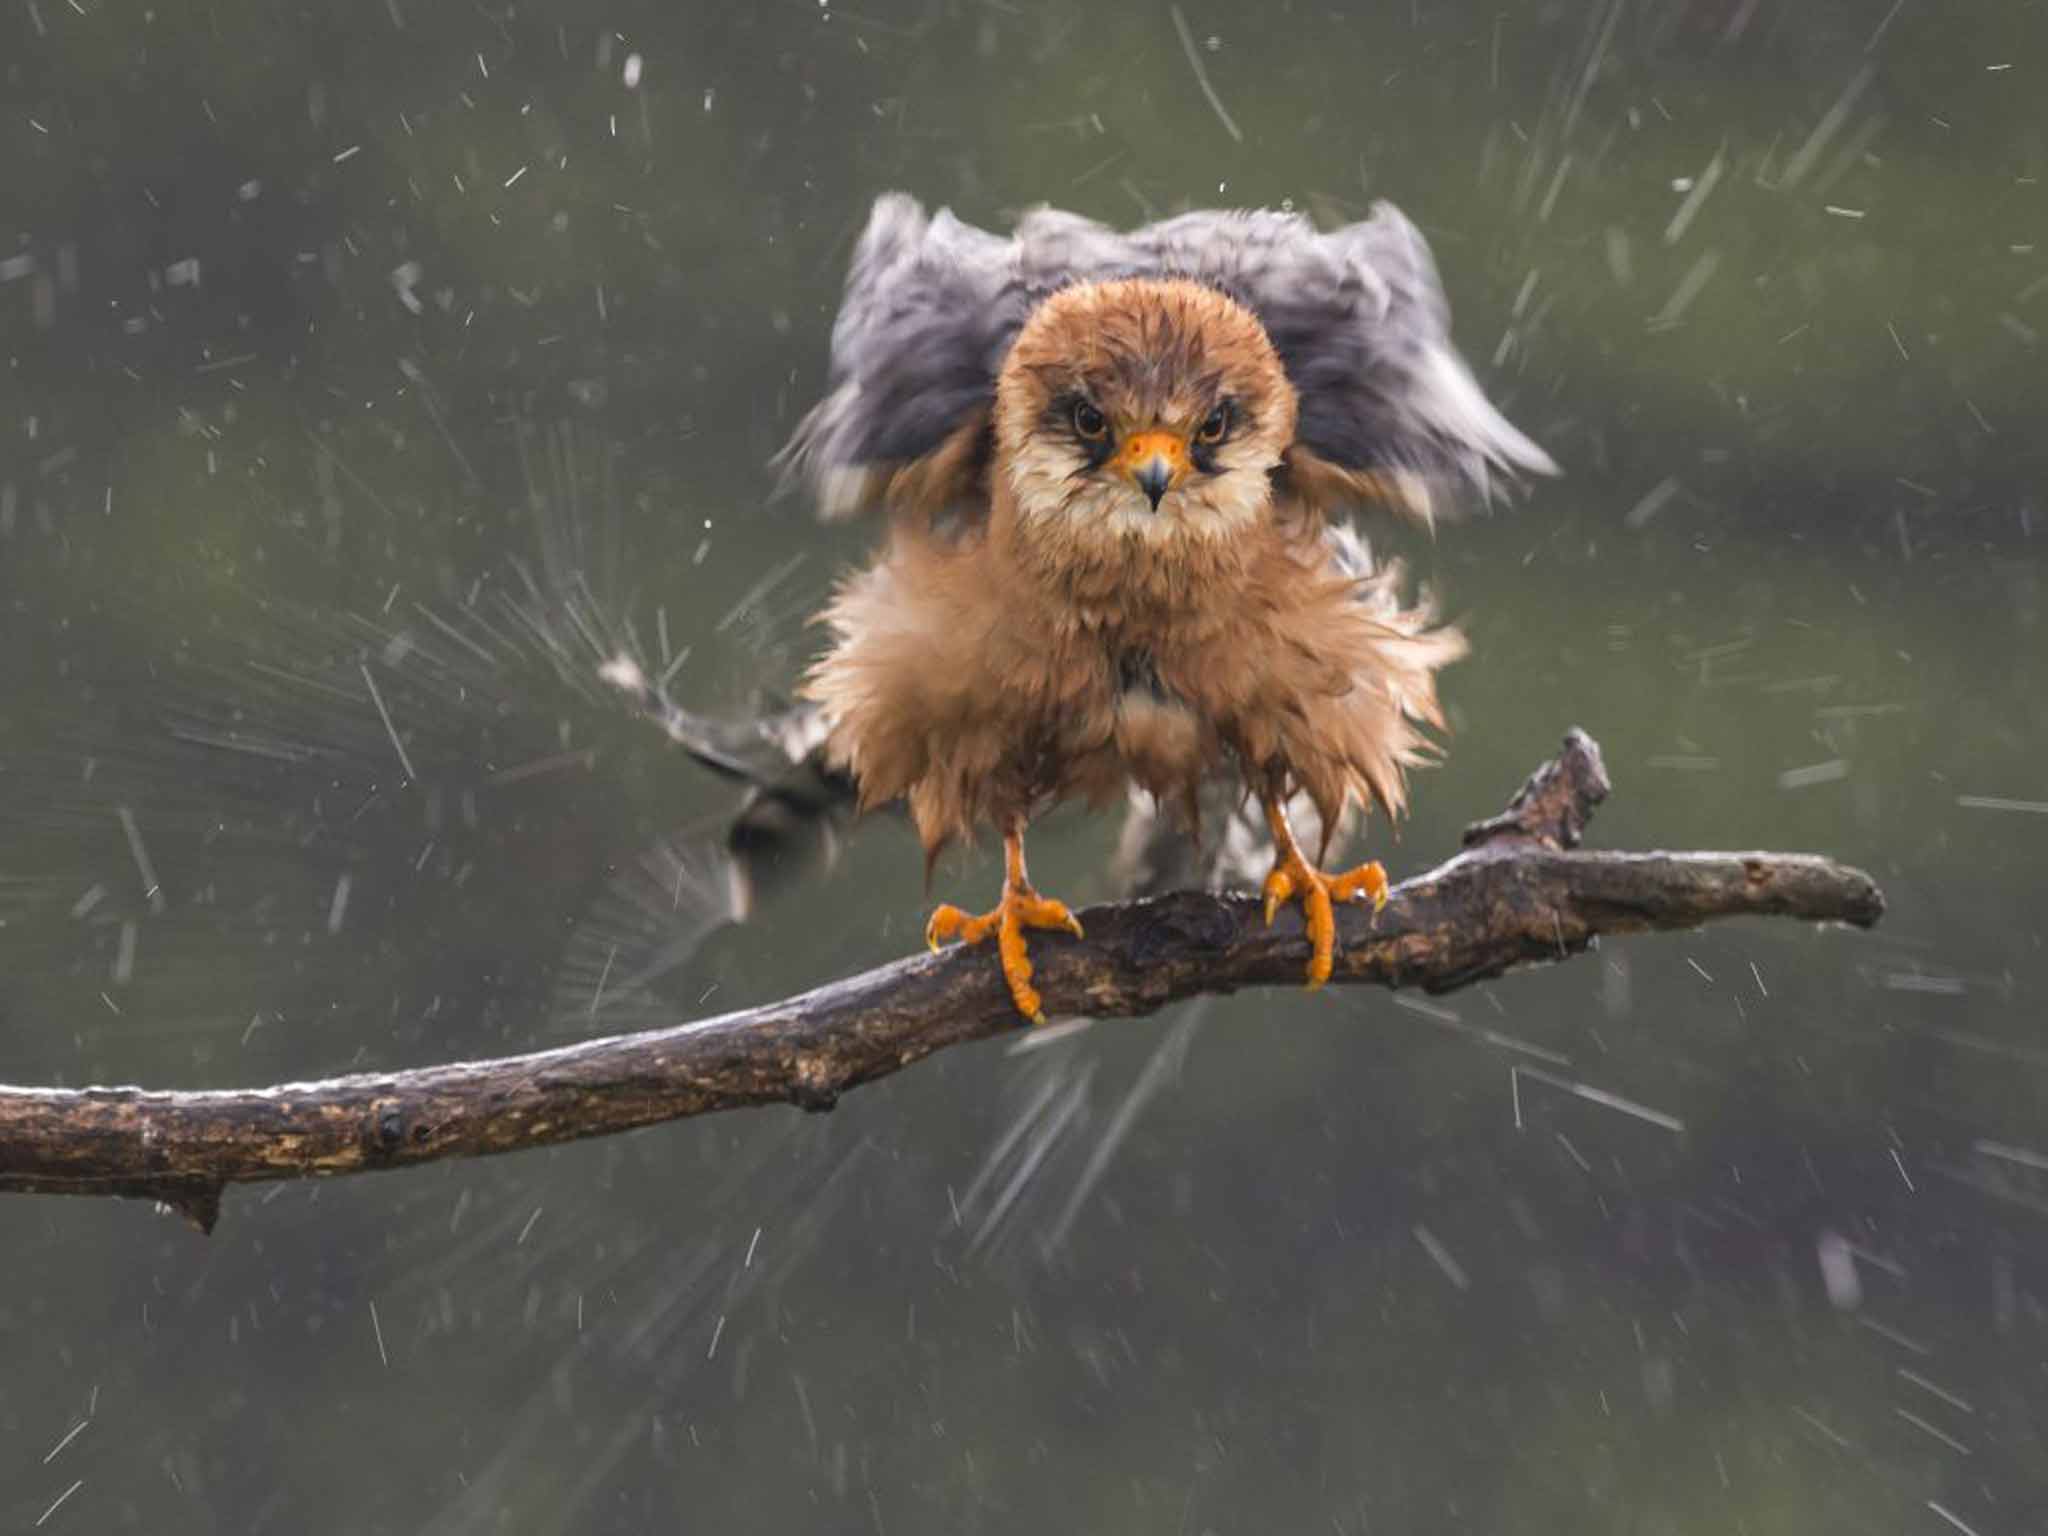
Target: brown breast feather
[(982, 691)]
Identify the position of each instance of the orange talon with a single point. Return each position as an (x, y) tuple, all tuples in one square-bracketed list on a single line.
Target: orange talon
[(1293, 877), (1021, 907)]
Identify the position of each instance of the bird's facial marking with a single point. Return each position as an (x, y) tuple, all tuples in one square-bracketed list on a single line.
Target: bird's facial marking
[(1155, 459), (1223, 420), (1071, 418)]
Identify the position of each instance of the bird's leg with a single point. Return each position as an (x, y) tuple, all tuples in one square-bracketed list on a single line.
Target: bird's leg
[(1294, 878), (1021, 907)]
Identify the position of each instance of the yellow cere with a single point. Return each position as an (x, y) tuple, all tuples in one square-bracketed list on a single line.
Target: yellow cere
[(1141, 448)]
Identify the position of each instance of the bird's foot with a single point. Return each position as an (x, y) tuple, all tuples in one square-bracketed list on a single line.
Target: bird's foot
[(1021, 907), (1294, 879)]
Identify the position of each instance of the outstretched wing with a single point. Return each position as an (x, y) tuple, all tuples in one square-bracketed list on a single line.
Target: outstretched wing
[(931, 308), (1359, 318), (1357, 314)]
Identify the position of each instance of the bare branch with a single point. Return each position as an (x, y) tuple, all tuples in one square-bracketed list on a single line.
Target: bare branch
[(1518, 895)]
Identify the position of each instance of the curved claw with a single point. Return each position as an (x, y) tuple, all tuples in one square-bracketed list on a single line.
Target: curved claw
[(1035, 911), (1279, 889)]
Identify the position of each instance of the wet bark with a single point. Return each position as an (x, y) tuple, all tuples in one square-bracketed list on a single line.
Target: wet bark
[(1521, 893)]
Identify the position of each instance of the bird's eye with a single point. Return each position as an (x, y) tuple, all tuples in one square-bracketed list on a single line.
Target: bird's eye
[(1089, 422), (1215, 427)]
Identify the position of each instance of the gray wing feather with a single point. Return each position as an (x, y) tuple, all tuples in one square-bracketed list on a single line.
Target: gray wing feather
[(920, 335), (1359, 318), (931, 308), (1357, 315)]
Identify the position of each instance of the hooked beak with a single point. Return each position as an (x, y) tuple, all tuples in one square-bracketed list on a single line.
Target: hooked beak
[(1155, 462)]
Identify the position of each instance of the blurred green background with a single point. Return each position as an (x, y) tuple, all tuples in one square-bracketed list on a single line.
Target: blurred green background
[(419, 345)]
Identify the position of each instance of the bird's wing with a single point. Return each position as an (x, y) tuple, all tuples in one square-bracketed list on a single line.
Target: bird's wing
[(1359, 318), (930, 310), (1357, 314)]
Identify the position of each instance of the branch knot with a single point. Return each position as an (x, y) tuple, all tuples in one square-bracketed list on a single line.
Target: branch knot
[(1555, 804)]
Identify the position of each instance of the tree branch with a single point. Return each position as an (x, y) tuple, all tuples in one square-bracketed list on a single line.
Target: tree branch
[(1518, 895)]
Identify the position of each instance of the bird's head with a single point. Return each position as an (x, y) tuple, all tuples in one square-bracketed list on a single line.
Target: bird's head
[(1142, 409)]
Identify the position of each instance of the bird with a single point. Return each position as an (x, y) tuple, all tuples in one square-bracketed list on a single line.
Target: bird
[(1116, 470)]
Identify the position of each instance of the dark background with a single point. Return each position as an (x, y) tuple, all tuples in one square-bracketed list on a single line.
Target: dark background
[(407, 342)]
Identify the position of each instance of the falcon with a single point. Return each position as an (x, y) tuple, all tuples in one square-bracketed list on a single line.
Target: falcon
[(1114, 468)]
